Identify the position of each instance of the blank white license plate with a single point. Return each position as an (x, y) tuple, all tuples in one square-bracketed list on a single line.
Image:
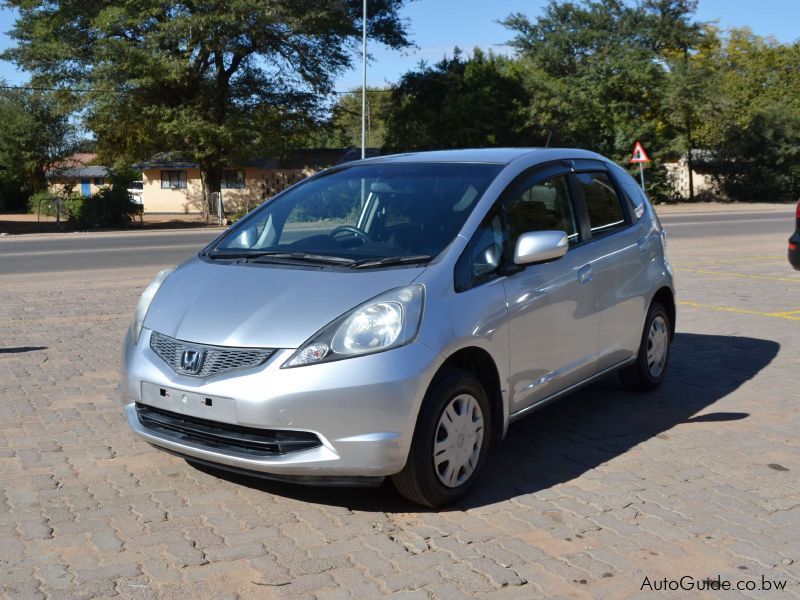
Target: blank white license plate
[(189, 403)]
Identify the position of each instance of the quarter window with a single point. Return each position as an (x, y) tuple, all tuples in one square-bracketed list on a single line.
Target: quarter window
[(484, 255), (232, 179), (631, 191), (602, 203), (173, 180), (540, 207)]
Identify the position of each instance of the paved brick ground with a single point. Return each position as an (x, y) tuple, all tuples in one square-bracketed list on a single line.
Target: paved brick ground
[(585, 499)]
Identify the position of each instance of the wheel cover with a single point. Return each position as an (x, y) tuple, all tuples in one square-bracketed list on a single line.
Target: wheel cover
[(657, 346), (458, 440)]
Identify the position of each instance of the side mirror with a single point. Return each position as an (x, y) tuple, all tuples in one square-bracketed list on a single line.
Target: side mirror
[(540, 246)]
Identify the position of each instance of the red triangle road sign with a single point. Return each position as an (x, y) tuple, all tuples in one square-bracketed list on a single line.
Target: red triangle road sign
[(639, 155)]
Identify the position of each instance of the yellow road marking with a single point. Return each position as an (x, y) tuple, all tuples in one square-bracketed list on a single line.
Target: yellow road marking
[(739, 275), (792, 315)]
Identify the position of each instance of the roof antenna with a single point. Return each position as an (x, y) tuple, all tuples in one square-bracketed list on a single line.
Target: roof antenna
[(549, 135)]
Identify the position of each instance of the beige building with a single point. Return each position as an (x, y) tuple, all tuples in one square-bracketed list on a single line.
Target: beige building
[(172, 185), (77, 174), (678, 173)]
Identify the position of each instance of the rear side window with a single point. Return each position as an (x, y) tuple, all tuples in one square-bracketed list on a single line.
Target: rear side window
[(602, 203)]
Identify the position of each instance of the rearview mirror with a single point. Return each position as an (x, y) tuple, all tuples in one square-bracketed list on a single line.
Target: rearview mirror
[(539, 246)]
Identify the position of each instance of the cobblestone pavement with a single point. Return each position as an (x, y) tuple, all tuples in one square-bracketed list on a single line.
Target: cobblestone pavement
[(584, 499)]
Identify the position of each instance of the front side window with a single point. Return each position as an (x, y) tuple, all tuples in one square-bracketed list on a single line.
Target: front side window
[(542, 206), (232, 179), (367, 211), (602, 203), (173, 180)]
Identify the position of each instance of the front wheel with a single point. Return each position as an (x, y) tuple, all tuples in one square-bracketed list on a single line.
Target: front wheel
[(451, 441), (648, 371)]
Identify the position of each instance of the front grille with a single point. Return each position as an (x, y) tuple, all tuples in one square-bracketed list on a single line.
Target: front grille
[(250, 441), (216, 359)]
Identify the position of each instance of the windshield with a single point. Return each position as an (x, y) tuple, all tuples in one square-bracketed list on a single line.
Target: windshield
[(366, 212)]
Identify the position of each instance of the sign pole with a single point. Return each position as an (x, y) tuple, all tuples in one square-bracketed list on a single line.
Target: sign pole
[(639, 156)]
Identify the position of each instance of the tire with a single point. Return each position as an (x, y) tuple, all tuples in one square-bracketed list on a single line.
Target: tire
[(423, 481), (647, 373)]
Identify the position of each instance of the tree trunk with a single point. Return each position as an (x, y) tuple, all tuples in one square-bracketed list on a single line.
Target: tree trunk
[(211, 176)]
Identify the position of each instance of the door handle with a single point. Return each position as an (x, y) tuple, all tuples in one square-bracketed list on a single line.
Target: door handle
[(642, 243), (585, 274)]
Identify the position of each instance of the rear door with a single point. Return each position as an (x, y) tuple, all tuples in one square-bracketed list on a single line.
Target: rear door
[(619, 248)]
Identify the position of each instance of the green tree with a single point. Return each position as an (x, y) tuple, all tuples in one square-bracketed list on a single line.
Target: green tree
[(459, 102), (597, 75), (754, 128), (688, 49), (346, 118), (760, 162), (215, 80), (34, 134)]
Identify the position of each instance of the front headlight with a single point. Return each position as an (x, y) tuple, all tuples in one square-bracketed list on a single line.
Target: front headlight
[(387, 321), (144, 302)]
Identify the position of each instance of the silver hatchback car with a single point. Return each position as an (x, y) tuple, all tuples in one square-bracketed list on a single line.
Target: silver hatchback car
[(391, 317)]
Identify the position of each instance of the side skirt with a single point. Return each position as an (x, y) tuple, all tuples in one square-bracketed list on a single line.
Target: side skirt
[(560, 394)]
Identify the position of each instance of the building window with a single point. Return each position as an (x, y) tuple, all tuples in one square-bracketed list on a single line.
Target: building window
[(99, 181), (173, 180), (233, 179)]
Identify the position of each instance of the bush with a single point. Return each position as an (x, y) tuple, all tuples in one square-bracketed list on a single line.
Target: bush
[(110, 207), (42, 203)]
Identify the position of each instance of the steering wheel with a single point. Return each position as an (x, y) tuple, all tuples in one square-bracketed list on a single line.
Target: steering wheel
[(352, 229)]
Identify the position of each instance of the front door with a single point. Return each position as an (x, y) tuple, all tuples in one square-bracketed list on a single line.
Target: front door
[(552, 309), (86, 188)]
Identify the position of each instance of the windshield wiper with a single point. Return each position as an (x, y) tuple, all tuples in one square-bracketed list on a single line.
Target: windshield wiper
[(319, 259), (215, 254), (387, 261)]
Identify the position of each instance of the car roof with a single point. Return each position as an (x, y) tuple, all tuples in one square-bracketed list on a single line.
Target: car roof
[(501, 156)]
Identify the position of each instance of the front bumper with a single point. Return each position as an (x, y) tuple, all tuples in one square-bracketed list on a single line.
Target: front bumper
[(363, 410)]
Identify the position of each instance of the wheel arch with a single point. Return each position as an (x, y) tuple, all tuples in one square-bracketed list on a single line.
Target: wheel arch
[(480, 363), (666, 297)]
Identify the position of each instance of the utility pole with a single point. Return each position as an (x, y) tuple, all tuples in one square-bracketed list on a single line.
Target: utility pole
[(364, 83)]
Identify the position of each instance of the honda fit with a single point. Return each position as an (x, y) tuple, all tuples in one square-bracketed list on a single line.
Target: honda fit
[(391, 317)]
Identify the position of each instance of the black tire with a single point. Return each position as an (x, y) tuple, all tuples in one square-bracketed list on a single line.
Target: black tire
[(419, 480), (639, 377)]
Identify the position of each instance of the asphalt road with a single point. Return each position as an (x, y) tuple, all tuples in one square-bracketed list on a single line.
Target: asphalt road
[(695, 225), (79, 251)]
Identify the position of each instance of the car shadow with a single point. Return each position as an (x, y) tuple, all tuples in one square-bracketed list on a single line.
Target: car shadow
[(579, 432)]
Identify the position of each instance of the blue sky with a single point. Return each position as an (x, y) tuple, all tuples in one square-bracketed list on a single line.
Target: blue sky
[(436, 26)]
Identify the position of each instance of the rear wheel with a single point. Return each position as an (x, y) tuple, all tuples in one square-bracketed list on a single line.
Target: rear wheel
[(451, 440), (648, 371)]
